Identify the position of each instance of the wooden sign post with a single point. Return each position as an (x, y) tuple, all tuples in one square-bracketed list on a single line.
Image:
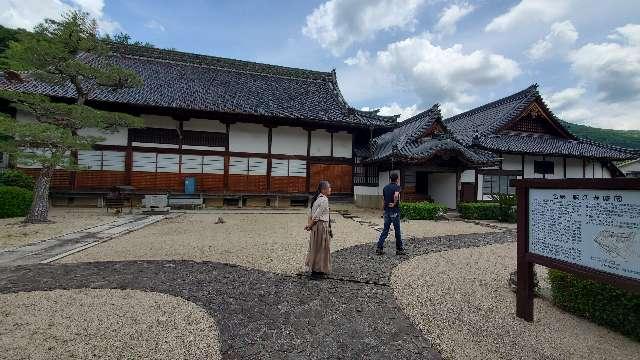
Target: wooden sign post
[(587, 227)]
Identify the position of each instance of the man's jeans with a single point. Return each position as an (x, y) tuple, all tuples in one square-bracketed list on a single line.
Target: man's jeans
[(391, 217)]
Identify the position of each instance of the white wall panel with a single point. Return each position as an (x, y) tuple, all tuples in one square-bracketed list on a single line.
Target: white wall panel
[(157, 121), (191, 164), (213, 164), (245, 137), (366, 190), (238, 165), (197, 147), (342, 144), (168, 163), (279, 167), (204, 125), (574, 168), (605, 172), (442, 188), (528, 166), (320, 143), (113, 160), (289, 140), (588, 169), (90, 159), (479, 187), (298, 168), (144, 162), (257, 166), (558, 168), (163, 146), (511, 162)]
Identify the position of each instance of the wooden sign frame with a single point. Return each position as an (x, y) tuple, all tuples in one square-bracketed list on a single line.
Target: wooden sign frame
[(526, 260)]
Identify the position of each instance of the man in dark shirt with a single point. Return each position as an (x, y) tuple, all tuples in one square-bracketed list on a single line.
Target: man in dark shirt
[(391, 196)]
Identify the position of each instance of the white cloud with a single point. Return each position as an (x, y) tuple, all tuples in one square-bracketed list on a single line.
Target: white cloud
[(612, 67), (154, 25), (396, 109), (449, 76), (528, 12), (28, 13), (450, 16), (337, 24), (565, 98), (561, 37)]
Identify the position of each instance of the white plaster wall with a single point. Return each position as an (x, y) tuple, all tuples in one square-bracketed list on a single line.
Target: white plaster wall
[(442, 188), (157, 121), (479, 187), (342, 144), (574, 168), (468, 176), (588, 169), (511, 162), (528, 166), (320, 143), (164, 146), (558, 168), (119, 137), (210, 148), (289, 140), (607, 174), (366, 190), (246, 137), (204, 125), (383, 179)]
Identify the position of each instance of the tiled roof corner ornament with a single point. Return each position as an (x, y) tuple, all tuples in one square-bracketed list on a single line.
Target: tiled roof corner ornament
[(13, 76)]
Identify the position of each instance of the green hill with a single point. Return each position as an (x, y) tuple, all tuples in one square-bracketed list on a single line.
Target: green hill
[(624, 138)]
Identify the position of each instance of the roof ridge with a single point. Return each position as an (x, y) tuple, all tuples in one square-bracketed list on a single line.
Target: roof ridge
[(520, 94), (218, 62), (434, 108)]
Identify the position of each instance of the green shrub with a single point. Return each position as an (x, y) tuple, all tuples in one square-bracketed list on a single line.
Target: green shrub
[(17, 178), (601, 303), (479, 210), (14, 201), (421, 210), (507, 207)]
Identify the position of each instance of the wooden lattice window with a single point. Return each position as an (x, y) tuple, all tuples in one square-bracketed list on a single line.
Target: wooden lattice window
[(204, 138), (154, 136)]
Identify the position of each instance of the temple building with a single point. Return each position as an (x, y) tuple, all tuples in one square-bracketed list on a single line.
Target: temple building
[(255, 130)]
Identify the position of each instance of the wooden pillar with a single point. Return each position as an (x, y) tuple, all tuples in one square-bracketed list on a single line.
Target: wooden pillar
[(584, 168), (331, 144), (128, 161), (564, 167), (308, 185), (544, 175), (524, 293), (270, 140), (226, 159)]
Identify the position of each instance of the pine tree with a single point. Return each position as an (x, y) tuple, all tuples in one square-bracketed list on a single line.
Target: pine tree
[(60, 52)]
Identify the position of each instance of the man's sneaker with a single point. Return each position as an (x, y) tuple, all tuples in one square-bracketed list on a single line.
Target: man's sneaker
[(379, 251), (401, 252)]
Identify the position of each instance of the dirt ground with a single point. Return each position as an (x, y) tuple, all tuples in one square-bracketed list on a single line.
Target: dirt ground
[(460, 299), (64, 220), (105, 324)]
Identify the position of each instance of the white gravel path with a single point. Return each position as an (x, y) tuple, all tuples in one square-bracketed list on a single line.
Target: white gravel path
[(270, 242), (104, 324), (64, 220), (461, 301)]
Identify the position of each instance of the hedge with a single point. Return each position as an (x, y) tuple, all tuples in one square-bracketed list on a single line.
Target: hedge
[(603, 304), (479, 210), (16, 178), (14, 201), (421, 210)]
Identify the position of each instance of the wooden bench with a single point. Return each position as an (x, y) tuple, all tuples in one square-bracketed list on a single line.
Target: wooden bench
[(195, 201)]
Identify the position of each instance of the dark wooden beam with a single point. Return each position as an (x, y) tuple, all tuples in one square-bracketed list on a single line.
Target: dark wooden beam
[(270, 139), (308, 185)]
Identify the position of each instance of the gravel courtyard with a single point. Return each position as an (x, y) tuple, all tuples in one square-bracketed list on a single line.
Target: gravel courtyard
[(106, 324), (236, 286), (63, 220), (460, 300)]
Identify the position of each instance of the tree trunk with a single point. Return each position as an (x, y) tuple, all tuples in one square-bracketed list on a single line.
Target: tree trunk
[(39, 212)]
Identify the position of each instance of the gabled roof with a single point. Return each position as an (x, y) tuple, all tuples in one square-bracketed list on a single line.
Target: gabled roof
[(487, 127), (407, 142), (185, 81)]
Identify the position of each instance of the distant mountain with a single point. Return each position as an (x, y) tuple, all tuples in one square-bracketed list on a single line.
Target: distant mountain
[(624, 138)]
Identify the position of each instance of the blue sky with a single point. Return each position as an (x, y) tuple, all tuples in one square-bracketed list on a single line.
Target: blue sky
[(404, 55)]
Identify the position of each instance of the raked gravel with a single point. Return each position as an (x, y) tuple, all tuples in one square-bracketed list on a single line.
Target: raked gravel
[(270, 242), (461, 301), (104, 324)]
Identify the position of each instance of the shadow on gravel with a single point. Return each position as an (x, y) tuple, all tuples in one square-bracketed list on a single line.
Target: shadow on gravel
[(260, 315)]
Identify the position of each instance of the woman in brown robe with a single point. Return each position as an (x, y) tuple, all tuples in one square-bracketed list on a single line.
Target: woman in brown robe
[(319, 224)]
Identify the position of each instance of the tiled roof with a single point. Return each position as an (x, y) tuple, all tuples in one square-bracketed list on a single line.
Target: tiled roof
[(205, 83), (542, 144), (482, 127), (405, 142)]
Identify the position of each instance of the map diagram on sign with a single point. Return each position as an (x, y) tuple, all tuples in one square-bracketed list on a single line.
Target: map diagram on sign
[(620, 244)]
